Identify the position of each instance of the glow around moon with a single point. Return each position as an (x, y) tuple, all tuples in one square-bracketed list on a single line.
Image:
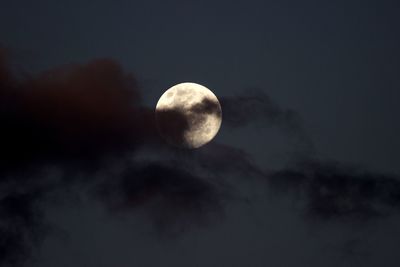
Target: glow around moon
[(188, 115)]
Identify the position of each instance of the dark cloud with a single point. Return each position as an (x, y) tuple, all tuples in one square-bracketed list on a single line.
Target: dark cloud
[(257, 108), (172, 124), (328, 190), (225, 160), (174, 197), (73, 112), (178, 189), (334, 191), (207, 106), (21, 226), (74, 118), (255, 105)]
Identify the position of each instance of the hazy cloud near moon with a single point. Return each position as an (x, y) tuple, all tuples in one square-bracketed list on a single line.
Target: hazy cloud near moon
[(256, 108), (88, 119)]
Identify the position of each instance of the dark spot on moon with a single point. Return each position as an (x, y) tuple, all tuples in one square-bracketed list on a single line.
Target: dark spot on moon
[(182, 92), (207, 106), (170, 94), (197, 120)]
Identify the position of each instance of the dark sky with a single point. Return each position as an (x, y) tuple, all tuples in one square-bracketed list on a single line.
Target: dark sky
[(304, 171)]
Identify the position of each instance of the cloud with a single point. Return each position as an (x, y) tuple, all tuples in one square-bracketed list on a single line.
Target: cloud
[(21, 226), (173, 197), (334, 191), (73, 112), (255, 105), (73, 118), (256, 108), (207, 106), (328, 190), (172, 124)]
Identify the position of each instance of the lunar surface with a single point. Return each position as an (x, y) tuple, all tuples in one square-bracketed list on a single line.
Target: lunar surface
[(188, 115)]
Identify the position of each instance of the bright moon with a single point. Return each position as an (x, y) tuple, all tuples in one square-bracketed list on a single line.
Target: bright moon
[(188, 115)]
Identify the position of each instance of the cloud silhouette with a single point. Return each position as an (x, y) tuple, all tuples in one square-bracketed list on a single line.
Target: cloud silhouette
[(21, 226), (254, 107), (73, 112), (173, 197), (334, 191), (73, 118)]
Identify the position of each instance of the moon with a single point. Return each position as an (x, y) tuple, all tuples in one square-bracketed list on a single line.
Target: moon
[(188, 115)]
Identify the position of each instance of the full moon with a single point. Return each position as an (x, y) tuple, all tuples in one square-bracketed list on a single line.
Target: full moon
[(188, 115)]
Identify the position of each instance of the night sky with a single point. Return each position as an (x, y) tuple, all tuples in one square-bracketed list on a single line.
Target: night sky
[(303, 172)]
